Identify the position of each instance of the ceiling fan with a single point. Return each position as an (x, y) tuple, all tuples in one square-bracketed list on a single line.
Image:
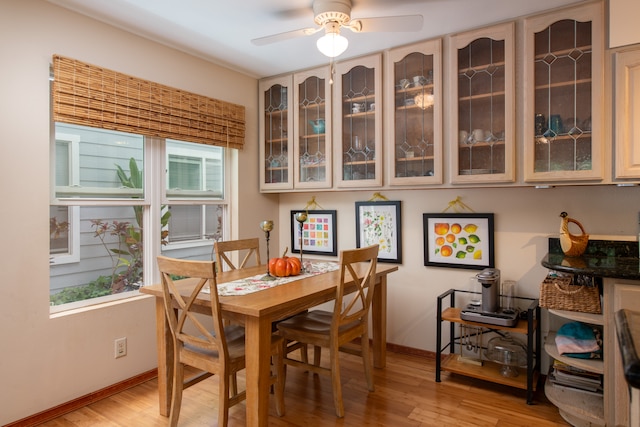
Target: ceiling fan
[(332, 15)]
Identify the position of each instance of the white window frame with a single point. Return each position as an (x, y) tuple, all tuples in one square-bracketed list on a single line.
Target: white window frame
[(73, 213)]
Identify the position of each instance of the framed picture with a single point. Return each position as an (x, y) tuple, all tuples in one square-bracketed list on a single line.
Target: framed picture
[(461, 240), (379, 222), (319, 233)]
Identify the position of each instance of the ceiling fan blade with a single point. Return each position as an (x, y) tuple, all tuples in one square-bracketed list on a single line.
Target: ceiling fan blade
[(387, 24), (261, 41)]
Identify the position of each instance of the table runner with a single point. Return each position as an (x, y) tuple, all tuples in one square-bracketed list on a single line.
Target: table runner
[(255, 283)]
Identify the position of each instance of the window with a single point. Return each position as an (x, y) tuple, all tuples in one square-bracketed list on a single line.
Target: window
[(104, 191)]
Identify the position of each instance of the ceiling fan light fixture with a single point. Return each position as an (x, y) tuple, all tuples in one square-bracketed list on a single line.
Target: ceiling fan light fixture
[(332, 44)]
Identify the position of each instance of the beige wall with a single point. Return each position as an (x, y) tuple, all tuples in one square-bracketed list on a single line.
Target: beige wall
[(47, 361)]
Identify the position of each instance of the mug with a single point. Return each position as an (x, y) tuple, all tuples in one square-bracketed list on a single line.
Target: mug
[(404, 83), (417, 80), (478, 134), (355, 108), (462, 136), (372, 106)]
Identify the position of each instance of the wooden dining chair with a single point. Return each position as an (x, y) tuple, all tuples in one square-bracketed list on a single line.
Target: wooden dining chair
[(223, 250), (348, 321), (203, 342)]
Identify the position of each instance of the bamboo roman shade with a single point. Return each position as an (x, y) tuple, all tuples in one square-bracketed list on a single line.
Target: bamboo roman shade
[(88, 95)]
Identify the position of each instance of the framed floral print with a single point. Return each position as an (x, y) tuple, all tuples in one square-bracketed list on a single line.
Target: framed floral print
[(380, 223), (461, 240), (317, 232)]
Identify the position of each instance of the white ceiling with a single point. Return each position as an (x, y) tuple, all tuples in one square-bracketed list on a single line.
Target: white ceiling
[(221, 31)]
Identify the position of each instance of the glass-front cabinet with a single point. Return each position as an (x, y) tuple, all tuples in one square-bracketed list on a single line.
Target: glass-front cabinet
[(312, 129), (276, 126), (483, 104), (413, 96), (563, 109), (358, 122)]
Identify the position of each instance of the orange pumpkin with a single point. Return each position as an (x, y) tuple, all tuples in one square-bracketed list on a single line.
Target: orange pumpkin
[(284, 266)]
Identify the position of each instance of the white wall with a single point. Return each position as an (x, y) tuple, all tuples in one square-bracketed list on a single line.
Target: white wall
[(45, 361), (524, 219)]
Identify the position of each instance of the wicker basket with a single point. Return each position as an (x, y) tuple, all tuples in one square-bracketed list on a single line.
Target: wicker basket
[(558, 293)]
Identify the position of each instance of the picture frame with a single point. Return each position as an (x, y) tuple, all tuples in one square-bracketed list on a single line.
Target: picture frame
[(319, 233), (380, 222), (459, 240)]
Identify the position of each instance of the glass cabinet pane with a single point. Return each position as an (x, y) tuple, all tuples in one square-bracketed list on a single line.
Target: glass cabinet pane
[(359, 127), (484, 134), (563, 97), (415, 156), (561, 124), (276, 126), (313, 129)]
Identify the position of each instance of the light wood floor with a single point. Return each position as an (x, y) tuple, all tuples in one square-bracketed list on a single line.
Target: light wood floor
[(406, 395)]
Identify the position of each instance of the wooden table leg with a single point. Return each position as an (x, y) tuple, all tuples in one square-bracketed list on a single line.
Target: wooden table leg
[(165, 359), (379, 323), (258, 356)]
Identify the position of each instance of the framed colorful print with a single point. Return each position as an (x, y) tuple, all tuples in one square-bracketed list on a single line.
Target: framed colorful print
[(318, 232), (461, 240), (380, 223)]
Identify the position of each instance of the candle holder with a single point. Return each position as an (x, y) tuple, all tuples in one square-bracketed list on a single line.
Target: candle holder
[(267, 227), (301, 217)]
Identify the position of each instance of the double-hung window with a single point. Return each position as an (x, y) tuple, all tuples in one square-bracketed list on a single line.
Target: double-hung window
[(106, 189)]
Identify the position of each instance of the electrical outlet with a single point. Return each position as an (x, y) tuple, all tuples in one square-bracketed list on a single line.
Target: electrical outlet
[(120, 347)]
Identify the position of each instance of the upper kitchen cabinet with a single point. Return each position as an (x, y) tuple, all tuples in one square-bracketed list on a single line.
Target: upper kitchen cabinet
[(413, 100), (312, 129), (564, 95), (276, 126), (482, 105), (627, 117), (357, 124)]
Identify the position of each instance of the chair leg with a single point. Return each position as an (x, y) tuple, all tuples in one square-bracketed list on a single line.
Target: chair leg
[(176, 393), (223, 407), (335, 382), (366, 360), (317, 354)]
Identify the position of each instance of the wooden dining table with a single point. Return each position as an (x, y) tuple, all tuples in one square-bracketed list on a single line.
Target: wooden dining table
[(256, 311)]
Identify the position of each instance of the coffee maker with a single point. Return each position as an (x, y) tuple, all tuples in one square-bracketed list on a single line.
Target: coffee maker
[(490, 311)]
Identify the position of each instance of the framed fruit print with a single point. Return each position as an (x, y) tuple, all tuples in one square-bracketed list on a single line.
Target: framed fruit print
[(461, 240)]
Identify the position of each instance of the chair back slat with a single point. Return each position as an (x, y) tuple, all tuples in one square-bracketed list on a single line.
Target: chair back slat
[(222, 250), (357, 302), (186, 325)]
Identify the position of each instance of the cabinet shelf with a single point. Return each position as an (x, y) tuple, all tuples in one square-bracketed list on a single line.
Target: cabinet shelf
[(277, 141), (312, 105), (482, 96), (313, 136), (361, 162), (273, 113), (591, 365), (414, 159), (576, 407), (488, 371), (313, 166), (362, 98), (362, 114), (414, 89), (568, 84)]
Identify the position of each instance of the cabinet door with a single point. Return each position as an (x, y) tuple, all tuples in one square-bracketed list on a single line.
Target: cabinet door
[(312, 129), (357, 122), (414, 100), (276, 126), (482, 134), (563, 109), (627, 113)]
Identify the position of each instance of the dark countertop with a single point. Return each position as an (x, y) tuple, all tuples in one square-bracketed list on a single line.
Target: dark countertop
[(628, 332), (602, 258)]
